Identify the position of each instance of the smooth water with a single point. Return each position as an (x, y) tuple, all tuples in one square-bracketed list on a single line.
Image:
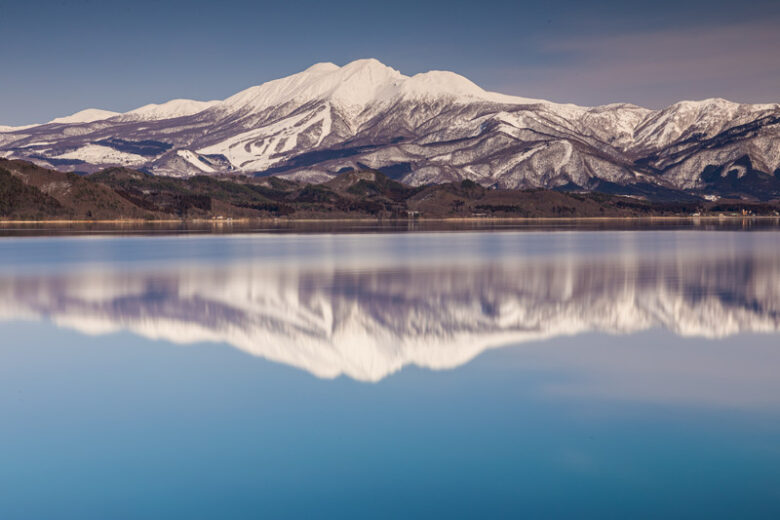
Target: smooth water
[(444, 375)]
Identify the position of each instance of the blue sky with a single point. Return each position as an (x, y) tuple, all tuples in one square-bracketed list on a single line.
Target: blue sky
[(62, 56)]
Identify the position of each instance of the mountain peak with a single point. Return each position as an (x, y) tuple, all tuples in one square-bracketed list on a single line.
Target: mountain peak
[(169, 109), (442, 82), (362, 81), (354, 84), (322, 67), (85, 116), (365, 63)]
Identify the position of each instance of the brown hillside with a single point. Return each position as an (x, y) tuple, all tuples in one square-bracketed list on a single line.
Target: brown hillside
[(81, 198)]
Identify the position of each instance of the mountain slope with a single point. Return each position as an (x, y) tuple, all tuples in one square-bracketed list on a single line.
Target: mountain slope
[(22, 201), (431, 127), (28, 191), (59, 195)]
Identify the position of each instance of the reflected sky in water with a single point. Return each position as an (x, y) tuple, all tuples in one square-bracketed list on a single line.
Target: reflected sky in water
[(538, 374)]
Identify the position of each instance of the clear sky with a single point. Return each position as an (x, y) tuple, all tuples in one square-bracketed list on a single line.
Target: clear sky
[(60, 56)]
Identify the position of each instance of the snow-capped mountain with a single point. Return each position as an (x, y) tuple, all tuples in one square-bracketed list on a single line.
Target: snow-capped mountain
[(430, 127)]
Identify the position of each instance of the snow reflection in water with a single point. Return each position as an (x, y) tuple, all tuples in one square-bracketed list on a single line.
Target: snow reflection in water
[(342, 312)]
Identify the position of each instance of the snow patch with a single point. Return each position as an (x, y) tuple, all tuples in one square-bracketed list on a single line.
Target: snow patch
[(194, 160), (98, 154)]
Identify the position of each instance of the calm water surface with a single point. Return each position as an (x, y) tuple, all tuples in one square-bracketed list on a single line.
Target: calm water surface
[(535, 374)]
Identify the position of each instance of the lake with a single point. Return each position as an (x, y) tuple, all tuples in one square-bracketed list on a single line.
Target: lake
[(535, 373)]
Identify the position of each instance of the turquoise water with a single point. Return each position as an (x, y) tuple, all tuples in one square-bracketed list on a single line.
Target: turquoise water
[(464, 375)]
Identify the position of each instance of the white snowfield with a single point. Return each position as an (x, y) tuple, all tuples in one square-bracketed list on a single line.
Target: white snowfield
[(94, 153), (431, 127)]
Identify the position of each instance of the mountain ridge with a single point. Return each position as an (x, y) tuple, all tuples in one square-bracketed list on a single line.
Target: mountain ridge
[(30, 192), (435, 126)]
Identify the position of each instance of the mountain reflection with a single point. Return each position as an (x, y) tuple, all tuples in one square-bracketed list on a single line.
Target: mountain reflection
[(369, 322)]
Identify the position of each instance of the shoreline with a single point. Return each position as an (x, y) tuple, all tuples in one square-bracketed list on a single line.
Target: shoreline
[(222, 222)]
